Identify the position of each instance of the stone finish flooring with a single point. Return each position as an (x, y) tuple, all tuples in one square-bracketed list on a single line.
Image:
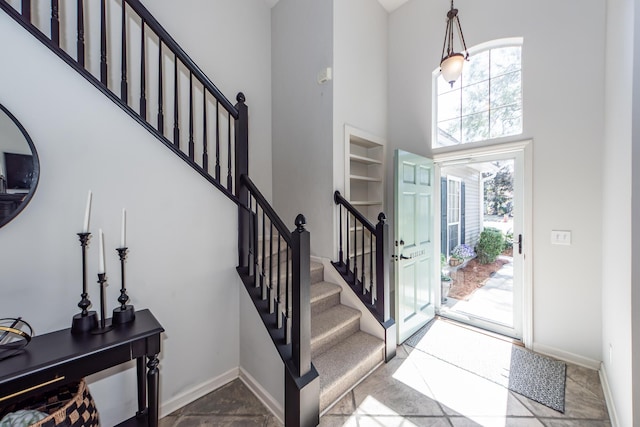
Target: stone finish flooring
[(415, 389)]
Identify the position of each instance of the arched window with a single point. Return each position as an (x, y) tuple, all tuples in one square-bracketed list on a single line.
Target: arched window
[(486, 101)]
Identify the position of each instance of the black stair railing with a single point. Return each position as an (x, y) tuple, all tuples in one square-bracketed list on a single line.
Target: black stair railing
[(217, 148), (363, 257), (201, 115), (275, 268)]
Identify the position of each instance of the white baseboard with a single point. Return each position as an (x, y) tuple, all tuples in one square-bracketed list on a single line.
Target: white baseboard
[(197, 392), (267, 400), (608, 396), (566, 356)]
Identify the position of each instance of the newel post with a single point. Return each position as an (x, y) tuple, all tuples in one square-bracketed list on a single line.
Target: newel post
[(242, 168), (301, 297), (302, 383), (383, 299)]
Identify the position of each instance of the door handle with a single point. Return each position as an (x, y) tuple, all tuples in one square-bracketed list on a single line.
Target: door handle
[(404, 257), (520, 243)]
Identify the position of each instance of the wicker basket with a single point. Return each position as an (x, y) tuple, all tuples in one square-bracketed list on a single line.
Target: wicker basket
[(70, 405)]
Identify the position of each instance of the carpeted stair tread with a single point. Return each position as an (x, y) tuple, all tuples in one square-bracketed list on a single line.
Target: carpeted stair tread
[(331, 326), (324, 295), (345, 364), (316, 271)]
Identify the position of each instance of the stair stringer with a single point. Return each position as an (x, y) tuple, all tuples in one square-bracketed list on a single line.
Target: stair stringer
[(368, 323)]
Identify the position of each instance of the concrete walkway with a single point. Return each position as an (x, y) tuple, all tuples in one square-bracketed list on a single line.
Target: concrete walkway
[(493, 301)]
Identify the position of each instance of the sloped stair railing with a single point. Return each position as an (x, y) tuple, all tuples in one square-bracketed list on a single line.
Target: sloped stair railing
[(275, 268), (216, 147), (183, 109), (363, 262)]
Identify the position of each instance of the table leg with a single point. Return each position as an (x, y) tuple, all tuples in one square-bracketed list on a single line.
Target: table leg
[(142, 386), (153, 377)]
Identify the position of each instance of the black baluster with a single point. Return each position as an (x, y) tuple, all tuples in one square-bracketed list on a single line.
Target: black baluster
[(217, 141), (192, 147), (341, 231), (250, 251), (160, 94), (348, 238), (143, 74), (176, 114), (278, 290), (287, 289), (355, 251), (205, 154), (371, 267), (364, 288), (254, 223), (382, 278), (271, 299), (263, 281), (26, 10), (229, 178), (80, 40), (103, 44), (124, 95), (55, 23)]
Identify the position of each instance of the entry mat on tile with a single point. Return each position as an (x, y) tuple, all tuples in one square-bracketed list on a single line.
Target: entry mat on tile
[(530, 374)]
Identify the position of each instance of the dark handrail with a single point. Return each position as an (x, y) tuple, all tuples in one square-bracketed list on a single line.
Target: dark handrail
[(339, 200), (269, 211), (149, 25), (168, 41), (363, 280)]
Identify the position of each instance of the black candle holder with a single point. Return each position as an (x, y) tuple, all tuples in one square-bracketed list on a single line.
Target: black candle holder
[(102, 327), (85, 320), (125, 313)]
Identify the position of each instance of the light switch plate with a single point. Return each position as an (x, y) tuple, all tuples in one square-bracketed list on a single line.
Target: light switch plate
[(560, 237)]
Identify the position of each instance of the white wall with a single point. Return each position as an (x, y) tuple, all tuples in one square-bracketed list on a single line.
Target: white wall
[(617, 209), (302, 45), (563, 114), (181, 231), (360, 75), (263, 368)]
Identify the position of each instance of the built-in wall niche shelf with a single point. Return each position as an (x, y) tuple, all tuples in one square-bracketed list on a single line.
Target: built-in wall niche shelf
[(364, 172)]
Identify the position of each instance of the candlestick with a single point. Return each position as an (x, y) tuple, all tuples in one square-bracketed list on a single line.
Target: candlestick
[(103, 327), (85, 320), (123, 234), (101, 268), (125, 313), (87, 213)]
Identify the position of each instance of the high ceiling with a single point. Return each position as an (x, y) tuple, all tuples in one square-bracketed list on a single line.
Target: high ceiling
[(389, 5)]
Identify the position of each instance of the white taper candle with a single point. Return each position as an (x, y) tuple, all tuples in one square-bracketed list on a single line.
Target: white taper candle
[(123, 234), (87, 213), (101, 268)]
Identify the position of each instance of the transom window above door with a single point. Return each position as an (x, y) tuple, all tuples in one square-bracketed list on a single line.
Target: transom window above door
[(486, 101)]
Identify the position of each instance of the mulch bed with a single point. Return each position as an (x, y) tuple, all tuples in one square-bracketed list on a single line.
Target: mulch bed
[(473, 276)]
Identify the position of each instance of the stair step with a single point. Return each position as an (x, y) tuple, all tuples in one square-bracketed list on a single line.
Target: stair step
[(324, 295), (345, 364), (332, 326), (317, 274)]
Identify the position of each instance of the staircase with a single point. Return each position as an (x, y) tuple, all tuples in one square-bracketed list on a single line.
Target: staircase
[(342, 354), (320, 341)]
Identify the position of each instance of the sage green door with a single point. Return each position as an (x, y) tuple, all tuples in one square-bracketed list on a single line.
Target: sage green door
[(415, 266)]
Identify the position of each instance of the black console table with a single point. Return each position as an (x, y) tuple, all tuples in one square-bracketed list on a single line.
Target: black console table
[(60, 357)]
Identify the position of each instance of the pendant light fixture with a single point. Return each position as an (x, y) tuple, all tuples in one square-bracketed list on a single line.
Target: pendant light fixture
[(451, 62)]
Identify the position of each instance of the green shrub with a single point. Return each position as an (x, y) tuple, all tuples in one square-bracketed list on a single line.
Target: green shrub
[(489, 245), (508, 242)]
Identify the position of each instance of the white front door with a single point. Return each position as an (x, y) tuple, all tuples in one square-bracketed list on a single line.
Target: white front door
[(415, 268)]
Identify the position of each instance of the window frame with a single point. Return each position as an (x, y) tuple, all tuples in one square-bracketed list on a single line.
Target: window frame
[(458, 223), (482, 47)]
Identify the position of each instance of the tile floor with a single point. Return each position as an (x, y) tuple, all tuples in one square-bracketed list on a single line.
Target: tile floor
[(415, 389)]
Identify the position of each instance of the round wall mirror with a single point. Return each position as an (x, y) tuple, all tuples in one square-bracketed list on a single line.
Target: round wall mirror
[(19, 167)]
